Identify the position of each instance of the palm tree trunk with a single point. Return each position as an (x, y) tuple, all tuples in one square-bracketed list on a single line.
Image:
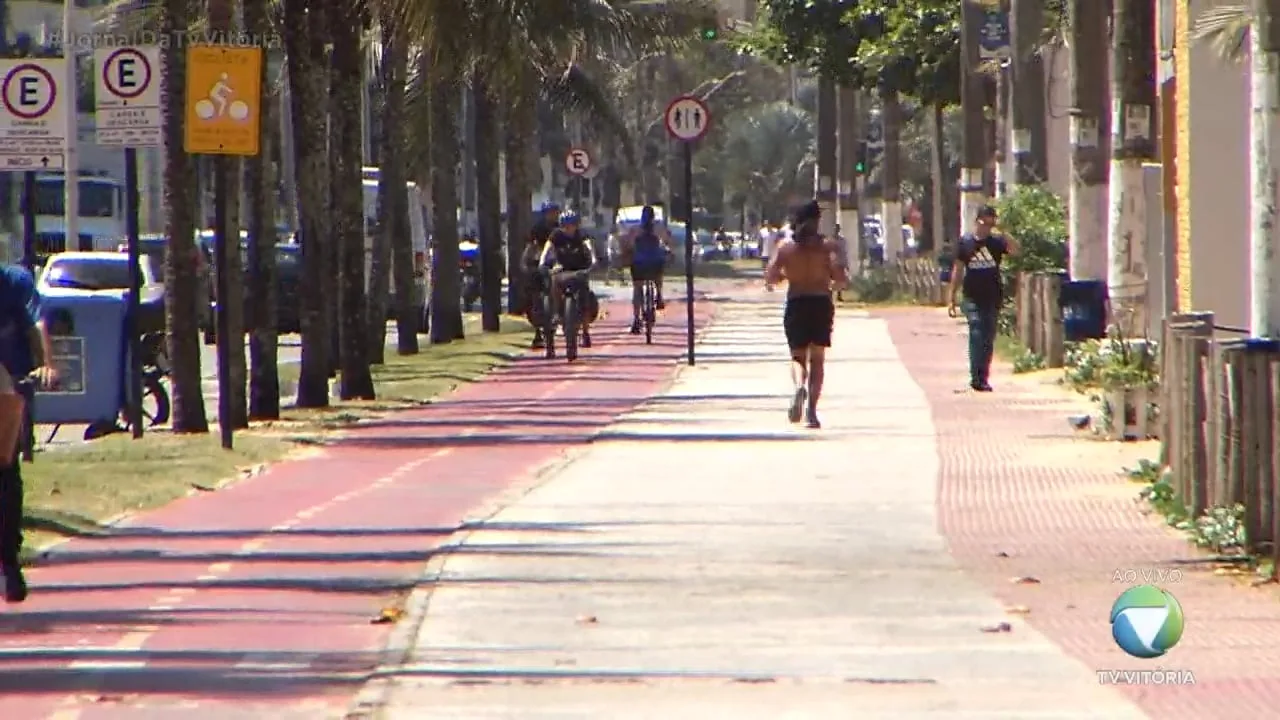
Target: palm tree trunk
[(346, 79), (304, 35), (264, 375), (519, 140), (1264, 127), (891, 177), (1089, 23), (181, 304), (488, 204), (380, 244), (446, 305), (937, 174), (393, 171), (333, 272), (1133, 145)]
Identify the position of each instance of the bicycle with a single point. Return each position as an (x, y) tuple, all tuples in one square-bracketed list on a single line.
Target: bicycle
[(572, 317), (649, 308)]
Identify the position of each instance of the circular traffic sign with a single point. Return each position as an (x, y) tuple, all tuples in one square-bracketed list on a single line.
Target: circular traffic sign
[(28, 91), (113, 76), (687, 118), (578, 161)]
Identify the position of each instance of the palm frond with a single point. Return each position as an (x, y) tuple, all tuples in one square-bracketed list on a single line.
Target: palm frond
[(573, 91), (1226, 28)]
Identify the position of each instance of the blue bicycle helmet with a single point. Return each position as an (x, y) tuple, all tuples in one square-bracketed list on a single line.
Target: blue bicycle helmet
[(569, 217), (549, 206)]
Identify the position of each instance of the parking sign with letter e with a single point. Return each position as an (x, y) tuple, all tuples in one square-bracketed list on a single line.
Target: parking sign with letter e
[(128, 96)]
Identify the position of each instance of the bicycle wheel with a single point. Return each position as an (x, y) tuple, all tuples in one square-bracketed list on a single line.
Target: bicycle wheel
[(650, 312), (571, 325)]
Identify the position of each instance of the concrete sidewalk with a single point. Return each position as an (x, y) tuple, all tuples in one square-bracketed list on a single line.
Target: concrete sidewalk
[(737, 567)]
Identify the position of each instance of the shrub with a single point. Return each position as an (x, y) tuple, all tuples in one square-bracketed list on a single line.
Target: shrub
[(1037, 218), (873, 286)]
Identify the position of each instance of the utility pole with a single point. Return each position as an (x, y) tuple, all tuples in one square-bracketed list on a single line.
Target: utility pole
[(1132, 145), (71, 166), (891, 174), (1028, 138), (973, 95), (1264, 129), (825, 185), (850, 135), (1089, 22)]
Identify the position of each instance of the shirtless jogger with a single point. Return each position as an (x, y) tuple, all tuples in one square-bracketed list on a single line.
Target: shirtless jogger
[(810, 264)]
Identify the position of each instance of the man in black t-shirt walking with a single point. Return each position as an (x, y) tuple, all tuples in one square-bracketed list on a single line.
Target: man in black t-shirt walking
[(977, 271)]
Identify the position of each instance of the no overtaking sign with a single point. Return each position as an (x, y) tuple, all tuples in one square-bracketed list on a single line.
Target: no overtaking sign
[(128, 96), (32, 124)]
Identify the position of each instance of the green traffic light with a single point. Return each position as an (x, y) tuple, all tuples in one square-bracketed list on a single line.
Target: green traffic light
[(710, 33), (860, 168)]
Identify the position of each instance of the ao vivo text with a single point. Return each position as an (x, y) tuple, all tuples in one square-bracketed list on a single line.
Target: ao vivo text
[(1147, 576)]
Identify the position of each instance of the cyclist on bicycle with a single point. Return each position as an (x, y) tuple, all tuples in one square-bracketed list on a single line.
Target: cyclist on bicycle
[(569, 256), (24, 352), (541, 232), (645, 250)]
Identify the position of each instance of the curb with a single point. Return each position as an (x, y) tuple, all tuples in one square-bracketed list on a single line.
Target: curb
[(371, 699)]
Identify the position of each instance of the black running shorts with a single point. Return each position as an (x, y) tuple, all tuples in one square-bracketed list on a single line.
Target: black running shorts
[(807, 321)]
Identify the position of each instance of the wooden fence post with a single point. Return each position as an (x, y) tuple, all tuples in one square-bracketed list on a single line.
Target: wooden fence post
[(1251, 467), (1274, 375), (1051, 319), (1026, 310)]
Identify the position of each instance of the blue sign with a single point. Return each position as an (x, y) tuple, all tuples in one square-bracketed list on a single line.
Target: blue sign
[(993, 39)]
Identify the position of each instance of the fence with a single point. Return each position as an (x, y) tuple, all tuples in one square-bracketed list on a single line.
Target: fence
[(1219, 430), (1039, 315), (918, 278)]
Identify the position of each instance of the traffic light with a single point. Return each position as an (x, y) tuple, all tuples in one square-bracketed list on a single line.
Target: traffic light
[(860, 160), (710, 32)]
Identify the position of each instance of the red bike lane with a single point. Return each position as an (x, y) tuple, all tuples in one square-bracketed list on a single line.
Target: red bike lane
[(259, 599)]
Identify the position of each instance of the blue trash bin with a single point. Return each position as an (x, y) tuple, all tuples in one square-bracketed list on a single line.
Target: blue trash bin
[(89, 350), (1084, 310)]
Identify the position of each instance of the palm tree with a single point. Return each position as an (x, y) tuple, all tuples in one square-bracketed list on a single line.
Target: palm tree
[(346, 25), (264, 376), (181, 260), (393, 200), (305, 35), (515, 48), (488, 208), (445, 88), (769, 155)]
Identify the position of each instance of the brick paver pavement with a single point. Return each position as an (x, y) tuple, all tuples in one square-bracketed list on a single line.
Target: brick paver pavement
[(1009, 510)]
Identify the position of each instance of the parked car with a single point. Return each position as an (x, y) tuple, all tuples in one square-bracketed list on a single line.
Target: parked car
[(288, 280), (156, 245), (102, 270)]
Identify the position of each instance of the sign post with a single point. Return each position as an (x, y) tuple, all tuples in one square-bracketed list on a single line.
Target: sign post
[(687, 119), (224, 95), (128, 115), (578, 163), (32, 131)]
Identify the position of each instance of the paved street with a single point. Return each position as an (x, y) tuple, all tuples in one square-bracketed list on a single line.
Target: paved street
[(600, 541), (741, 567), (257, 600)]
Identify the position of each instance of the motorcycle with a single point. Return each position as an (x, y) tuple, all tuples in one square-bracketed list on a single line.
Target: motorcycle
[(470, 268)]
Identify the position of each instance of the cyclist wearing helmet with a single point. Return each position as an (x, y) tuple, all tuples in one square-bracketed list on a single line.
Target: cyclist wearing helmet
[(569, 255), (645, 250), (543, 227)]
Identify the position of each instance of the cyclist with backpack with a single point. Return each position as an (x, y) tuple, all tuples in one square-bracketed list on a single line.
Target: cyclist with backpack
[(645, 250)]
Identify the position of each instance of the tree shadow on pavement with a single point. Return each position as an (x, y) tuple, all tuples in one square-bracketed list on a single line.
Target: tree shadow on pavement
[(507, 439), (135, 555), (204, 673)]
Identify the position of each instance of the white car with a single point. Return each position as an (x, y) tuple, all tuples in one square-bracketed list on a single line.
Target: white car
[(101, 270)]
